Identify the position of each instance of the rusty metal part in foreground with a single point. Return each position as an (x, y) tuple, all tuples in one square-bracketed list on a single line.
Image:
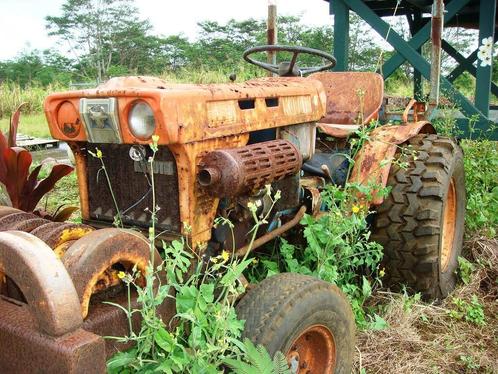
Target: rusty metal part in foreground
[(273, 234), (89, 260), (232, 172), (42, 279)]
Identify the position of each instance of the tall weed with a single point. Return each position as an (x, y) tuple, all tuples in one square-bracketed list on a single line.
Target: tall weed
[(12, 95)]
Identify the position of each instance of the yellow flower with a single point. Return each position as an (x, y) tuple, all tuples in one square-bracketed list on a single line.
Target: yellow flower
[(382, 272), (225, 256), (355, 209), (99, 153), (214, 260), (121, 274), (155, 138), (255, 261)]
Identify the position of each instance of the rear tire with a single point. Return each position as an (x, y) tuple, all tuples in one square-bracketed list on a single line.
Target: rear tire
[(308, 320), (421, 223)]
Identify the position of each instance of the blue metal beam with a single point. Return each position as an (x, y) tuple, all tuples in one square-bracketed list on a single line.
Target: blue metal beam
[(487, 12), (456, 72), (421, 37), (341, 34), (465, 63), (416, 60)]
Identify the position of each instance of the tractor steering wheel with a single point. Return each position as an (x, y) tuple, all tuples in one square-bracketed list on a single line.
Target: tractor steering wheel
[(289, 68)]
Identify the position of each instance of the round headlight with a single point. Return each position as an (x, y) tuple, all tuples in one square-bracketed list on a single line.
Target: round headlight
[(141, 120)]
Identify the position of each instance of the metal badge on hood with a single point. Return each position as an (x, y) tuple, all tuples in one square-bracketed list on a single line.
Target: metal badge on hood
[(100, 117)]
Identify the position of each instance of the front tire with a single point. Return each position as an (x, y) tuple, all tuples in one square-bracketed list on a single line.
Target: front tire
[(308, 320), (421, 223)]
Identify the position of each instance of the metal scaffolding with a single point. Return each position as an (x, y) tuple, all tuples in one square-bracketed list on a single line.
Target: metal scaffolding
[(426, 18)]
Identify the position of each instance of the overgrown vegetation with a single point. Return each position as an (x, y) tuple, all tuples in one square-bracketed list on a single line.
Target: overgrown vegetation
[(205, 333), (399, 333)]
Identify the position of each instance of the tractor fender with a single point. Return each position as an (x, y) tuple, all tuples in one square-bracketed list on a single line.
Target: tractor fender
[(43, 280), (373, 161)]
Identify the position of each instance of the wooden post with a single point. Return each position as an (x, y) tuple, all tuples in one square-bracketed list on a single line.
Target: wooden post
[(271, 33)]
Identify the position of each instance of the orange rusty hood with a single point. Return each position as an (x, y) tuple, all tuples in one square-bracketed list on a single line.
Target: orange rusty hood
[(191, 112)]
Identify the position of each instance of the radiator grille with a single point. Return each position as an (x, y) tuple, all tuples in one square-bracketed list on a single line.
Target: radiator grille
[(132, 188)]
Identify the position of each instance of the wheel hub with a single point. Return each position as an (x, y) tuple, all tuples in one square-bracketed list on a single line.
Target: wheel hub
[(313, 351), (449, 226)]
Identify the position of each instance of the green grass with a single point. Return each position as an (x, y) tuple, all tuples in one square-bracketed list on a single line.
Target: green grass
[(31, 124), (11, 95)]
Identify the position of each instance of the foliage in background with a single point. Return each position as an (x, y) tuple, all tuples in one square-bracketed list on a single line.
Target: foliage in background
[(104, 39), (21, 187), (12, 95), (481, 175), (481, 181)]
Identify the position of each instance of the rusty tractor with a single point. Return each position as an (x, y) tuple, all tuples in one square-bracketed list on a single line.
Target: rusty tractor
[(218, 146)]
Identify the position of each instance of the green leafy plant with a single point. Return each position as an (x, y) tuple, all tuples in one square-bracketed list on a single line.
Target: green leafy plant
[(338, 247), (481, 182), (472, 311), (258, 361), (469, 362), (465, 269), (205, 332), (22, 187)]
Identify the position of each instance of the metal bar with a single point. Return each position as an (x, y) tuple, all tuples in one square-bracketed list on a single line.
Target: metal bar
[(341, 33), (469, 61), (465, 63), (407, 51), (436, 31), (487, 13), (273, 234), (420, 38), (271, 34), (415, 27)]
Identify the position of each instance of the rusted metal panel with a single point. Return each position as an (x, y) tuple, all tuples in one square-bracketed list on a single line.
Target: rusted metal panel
[(352, 97), (26, 350), (197, 207), (6, 210), (88, 259), (55, 234), (180, 109), (131, 186), (14, 218), (80, 157), (43, 280), (237, 171), (373, 161)]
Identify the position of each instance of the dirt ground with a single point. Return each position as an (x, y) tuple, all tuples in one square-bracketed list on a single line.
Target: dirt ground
[(437, 338)]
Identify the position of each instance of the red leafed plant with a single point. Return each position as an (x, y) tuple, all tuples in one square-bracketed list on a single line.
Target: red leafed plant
[(22, 186)]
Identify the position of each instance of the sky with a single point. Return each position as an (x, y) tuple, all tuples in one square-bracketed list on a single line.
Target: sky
[(22, 22)]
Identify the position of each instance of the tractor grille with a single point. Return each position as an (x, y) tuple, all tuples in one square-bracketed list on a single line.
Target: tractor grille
[(130, 183)]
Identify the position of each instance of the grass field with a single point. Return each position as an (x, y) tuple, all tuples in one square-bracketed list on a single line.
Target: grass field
[(31, 124)]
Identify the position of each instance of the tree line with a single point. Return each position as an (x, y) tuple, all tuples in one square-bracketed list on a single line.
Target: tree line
[(98, 39)]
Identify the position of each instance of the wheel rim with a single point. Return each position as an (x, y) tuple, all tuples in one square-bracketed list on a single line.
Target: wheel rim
[(313, 351), (449, 225)]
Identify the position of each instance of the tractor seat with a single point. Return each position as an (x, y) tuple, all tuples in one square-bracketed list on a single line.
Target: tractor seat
[(344, 113)]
